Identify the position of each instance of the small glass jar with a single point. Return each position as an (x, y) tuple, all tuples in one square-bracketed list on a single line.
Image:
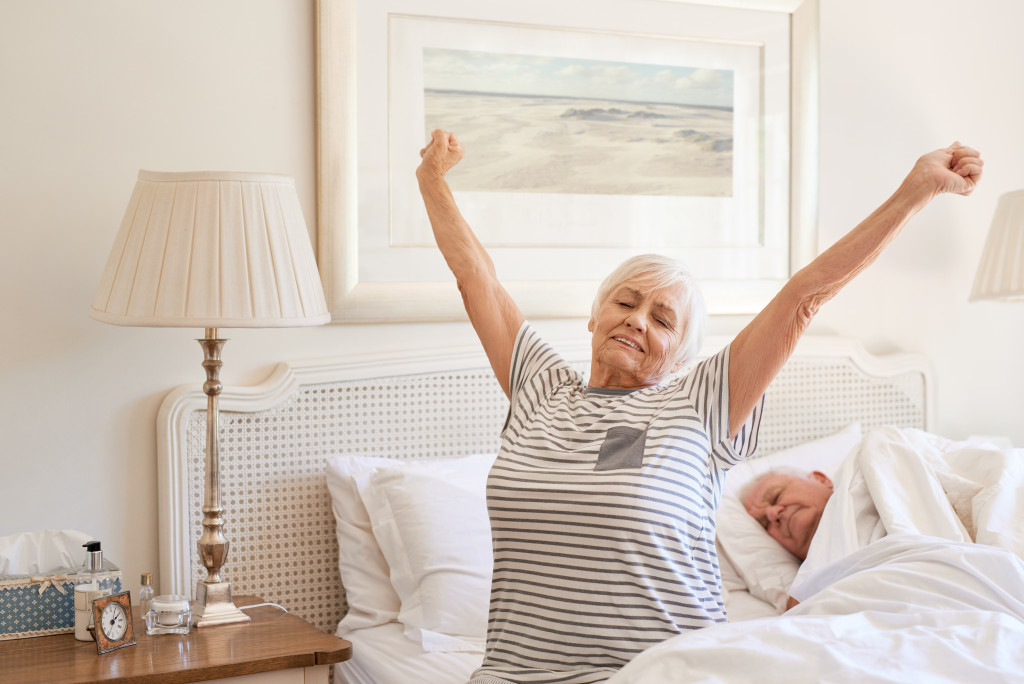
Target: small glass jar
[(169, 614), (146, 593)]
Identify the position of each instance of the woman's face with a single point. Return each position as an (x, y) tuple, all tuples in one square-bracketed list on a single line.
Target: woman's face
[(636, 336)]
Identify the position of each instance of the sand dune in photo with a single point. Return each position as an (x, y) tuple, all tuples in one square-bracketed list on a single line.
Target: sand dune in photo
[(518, 143)]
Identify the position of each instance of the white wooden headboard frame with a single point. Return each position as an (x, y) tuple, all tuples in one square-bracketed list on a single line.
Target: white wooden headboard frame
[(277, 436)]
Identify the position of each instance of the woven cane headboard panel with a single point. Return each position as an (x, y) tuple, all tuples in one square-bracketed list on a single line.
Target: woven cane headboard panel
[(277, 436)]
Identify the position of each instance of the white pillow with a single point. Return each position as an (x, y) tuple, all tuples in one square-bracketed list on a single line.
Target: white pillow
[(430, 519), (767, 568), (825, 454), (731, 580), (364, 571)]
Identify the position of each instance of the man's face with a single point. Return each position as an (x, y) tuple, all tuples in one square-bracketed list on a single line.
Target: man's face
[(789, 508)]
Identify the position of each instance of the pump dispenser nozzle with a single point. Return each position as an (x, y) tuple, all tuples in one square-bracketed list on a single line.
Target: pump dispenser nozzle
[(94, 556)]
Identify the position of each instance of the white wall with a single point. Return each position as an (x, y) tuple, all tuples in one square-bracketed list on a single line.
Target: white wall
[(91, 92), (900, 77)]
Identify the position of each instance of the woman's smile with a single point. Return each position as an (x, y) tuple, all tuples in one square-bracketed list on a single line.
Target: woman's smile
[(629, 342), (637, 334)]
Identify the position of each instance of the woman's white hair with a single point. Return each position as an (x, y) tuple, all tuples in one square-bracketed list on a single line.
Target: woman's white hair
[(657, 271)]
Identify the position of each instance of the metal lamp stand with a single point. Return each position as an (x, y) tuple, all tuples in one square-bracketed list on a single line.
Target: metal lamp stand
[(213, 605)]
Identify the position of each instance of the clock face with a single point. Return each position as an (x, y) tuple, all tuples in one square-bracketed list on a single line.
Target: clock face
[(114, 621)]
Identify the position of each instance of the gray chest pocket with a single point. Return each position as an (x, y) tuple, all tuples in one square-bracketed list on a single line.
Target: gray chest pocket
[(623, 447)]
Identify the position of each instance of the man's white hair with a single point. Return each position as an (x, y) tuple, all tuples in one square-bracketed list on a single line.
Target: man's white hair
[(748, 486)]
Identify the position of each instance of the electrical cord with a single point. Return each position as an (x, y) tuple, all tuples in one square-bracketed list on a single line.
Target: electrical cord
[(257, 605)]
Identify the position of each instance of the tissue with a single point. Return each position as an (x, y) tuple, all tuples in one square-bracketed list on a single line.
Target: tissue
[(42, 551)]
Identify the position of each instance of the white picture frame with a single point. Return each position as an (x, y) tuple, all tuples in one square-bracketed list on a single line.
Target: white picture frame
[(368, 78)]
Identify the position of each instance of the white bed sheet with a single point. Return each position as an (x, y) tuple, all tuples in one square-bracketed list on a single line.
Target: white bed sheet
[(742, 606), (905, 609), (384, 655), (740, 603)]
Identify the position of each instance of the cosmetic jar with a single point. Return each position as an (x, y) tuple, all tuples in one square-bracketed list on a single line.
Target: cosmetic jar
[(169, 614)]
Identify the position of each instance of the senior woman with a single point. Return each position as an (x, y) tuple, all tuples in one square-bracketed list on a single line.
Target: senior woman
[(602, 498)]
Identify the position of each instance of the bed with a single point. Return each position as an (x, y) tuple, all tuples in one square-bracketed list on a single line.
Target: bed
[(353, 496)]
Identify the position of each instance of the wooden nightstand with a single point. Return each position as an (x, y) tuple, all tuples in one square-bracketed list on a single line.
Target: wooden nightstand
[(274, 647)]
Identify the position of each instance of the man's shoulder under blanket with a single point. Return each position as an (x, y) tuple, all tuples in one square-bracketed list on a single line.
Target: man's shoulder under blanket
[(907, 481)]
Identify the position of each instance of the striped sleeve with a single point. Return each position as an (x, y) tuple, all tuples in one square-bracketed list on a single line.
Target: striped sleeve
[(708, 386), (531, 356)]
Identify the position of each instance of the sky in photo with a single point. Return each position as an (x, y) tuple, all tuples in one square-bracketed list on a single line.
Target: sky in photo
[(515, 74)]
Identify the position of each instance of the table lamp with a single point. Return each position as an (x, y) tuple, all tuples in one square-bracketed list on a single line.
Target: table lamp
[(212, 250), (1001, 269)]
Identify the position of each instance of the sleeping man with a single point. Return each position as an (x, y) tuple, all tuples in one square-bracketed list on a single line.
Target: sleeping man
[(789, 507), (899, 481)]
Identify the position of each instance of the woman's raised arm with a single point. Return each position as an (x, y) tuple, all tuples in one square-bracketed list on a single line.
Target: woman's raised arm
[(763, 346), (493, 313)]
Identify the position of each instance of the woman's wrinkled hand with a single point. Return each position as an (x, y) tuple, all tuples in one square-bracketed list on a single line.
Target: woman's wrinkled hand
[(442, 153), (955, 169)]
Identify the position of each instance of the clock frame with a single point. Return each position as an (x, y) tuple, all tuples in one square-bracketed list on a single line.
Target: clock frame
[(118, 608)]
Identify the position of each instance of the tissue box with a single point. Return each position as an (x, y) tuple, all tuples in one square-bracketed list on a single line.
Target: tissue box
[(37, 605)]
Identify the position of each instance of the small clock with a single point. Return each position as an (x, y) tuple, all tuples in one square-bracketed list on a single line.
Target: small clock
[(113, 618)]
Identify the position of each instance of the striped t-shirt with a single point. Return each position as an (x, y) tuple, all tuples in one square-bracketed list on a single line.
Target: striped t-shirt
[(602, 507)]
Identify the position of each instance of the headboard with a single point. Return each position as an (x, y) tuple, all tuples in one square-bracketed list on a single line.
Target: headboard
[(277, 436)]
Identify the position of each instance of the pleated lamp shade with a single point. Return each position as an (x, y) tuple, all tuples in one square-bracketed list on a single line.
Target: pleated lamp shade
[(1001, 270), (212, 250)]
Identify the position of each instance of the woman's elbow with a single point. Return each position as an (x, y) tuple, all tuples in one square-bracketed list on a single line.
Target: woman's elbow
[(805, 302), (807, 309)]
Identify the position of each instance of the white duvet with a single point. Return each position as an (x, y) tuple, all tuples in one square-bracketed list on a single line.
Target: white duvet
[(904, 609), (915, 575), (903, 480)]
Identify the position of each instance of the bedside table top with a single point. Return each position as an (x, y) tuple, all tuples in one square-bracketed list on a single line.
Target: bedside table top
[(273, 640)]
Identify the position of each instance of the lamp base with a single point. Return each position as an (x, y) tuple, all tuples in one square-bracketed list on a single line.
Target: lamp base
[(213, 605)]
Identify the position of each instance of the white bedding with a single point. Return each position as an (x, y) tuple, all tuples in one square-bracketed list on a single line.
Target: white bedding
[(384, 654), (908, 608), (920, 603), (905, 609), (894, 588), (910, 481)]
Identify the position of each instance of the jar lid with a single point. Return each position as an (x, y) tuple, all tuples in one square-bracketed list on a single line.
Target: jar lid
[(171, 603), (147, 578)]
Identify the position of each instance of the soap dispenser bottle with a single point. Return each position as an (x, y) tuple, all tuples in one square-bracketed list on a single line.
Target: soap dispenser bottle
[(91, 582)]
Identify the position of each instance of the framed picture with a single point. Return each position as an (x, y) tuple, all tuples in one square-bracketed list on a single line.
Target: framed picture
[(593, 131)]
